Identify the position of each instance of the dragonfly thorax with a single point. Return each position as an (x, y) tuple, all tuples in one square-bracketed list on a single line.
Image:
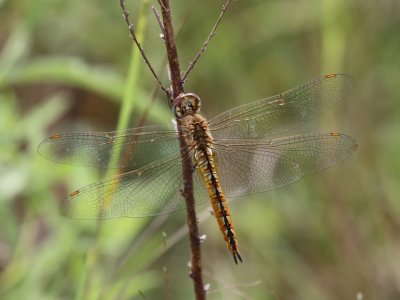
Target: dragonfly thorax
[(197, 134), (186, 104)]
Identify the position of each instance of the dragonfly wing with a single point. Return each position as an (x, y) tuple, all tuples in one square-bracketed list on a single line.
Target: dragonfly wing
[(153, 190), (282, 112), (132, 148), (247, 167)]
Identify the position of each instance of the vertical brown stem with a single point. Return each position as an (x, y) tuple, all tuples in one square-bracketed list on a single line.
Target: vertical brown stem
[(177, 88), (172, 53)]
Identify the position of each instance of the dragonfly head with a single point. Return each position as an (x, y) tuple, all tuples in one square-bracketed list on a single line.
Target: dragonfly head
[(186, 104)]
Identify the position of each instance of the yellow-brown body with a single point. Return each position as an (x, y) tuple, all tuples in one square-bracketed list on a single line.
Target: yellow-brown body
[(200, 142)]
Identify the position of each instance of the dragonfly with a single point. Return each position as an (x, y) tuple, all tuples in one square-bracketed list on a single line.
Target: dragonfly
[(233, 155)]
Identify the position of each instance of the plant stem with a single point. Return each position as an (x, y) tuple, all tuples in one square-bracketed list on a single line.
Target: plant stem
[(138, 44), (210, 36), (177, 88)]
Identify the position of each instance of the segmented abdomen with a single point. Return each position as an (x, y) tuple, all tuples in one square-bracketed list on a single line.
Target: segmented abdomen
[(205, 164)]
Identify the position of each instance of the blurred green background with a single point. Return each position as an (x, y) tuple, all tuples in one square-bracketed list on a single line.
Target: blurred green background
[(64, 67)]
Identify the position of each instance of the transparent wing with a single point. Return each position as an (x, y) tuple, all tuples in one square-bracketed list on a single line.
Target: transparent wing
[(282, 112), (152, 190), (132, 148), (246, 167)]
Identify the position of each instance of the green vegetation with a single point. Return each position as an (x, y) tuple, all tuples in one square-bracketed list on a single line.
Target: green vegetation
[(66, 66)]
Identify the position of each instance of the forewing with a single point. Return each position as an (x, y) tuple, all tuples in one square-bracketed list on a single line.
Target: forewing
[(153, 190), (282, 112), (247, 167), (132, 148)]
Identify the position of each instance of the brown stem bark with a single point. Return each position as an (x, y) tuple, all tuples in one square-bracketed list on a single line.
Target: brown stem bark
[(177, 88)]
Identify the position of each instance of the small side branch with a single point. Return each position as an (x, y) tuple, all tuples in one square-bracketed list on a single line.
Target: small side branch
[(158, 17), (212, 33), (139, 46)]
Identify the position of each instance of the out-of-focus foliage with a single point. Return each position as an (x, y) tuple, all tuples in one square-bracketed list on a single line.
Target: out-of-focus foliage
[(335, 235)]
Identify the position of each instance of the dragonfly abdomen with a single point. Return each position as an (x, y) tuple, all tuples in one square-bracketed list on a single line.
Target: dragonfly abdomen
[(205, 164)]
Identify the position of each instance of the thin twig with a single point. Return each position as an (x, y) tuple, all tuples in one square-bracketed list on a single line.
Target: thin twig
[(212, 33), (139, 46), (177, 88), (158, 17), (161, 4), (162, 67)]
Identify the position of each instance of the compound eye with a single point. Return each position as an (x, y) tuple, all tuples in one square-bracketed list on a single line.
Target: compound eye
[(177, 106), (177, 112), (195, 102)]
